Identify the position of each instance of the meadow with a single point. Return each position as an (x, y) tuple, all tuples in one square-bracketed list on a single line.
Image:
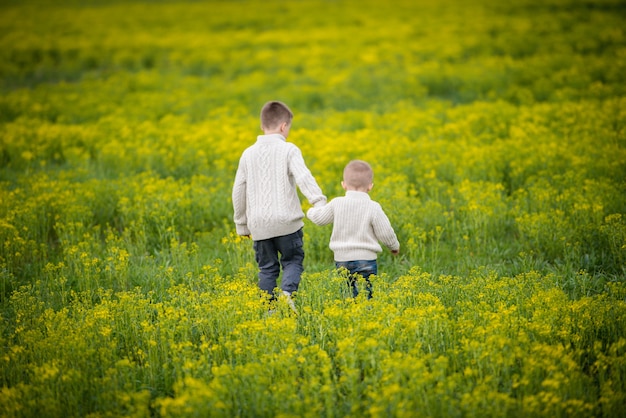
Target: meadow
[(497, 133)]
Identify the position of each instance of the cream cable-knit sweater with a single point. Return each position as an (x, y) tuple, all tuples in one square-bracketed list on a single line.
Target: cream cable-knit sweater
[(265, 198), (359, 223)]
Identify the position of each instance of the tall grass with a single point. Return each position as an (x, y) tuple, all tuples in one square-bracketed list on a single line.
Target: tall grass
[(496, 133)]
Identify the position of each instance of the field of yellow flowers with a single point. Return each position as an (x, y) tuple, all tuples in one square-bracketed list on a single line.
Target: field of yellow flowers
[(497, 132)]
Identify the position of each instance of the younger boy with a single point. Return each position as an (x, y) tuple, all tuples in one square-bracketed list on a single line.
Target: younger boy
[(359, 223), (266, 204)]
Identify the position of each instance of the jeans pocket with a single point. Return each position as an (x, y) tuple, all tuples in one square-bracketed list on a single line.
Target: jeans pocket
[(366, 268)]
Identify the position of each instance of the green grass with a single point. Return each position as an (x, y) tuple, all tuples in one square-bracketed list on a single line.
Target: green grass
[(496, 133)]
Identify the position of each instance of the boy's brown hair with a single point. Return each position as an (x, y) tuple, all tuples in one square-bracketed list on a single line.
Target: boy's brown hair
[(274, 113), (358, 174)]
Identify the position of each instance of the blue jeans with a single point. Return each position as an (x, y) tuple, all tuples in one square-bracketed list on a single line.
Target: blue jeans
[(290, 249), (359, 268)]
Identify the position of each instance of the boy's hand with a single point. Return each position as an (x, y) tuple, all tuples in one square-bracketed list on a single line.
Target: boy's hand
[(395, 252)]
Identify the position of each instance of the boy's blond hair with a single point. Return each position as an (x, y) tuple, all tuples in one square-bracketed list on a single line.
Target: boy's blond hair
[(274, 113), (358, 175)]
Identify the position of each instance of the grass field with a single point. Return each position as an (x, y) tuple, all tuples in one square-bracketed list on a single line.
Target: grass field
[(497, 133)]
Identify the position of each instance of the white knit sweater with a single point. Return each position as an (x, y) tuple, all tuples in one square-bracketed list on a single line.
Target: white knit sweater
[(359, 223), (265, 199)]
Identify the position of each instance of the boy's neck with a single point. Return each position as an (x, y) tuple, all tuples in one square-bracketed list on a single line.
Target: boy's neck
[(282, 129)]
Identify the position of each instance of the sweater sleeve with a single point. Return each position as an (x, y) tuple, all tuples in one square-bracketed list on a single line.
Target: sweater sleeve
[(304, 179), (384, 231), (321, 214), (239, 200)]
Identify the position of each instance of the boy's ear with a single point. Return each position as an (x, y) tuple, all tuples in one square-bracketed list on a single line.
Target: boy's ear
[(343, 184), (370, 187)]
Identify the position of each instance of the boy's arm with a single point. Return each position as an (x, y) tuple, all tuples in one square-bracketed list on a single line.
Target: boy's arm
[(384, 231), (321, 214), (239, 202), (304, 179)]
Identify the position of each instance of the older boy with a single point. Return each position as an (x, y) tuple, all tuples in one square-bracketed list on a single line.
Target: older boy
[(266, 204), (359, 223)]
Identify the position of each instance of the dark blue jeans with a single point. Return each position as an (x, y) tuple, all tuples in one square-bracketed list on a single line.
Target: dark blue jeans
[(286, 251), (356, 269)]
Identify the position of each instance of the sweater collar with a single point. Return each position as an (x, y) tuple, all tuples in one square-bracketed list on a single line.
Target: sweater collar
[(357, 195), (271, 137)]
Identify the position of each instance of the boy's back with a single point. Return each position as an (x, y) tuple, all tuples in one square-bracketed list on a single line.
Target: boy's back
[(271, 168), (359, 224)]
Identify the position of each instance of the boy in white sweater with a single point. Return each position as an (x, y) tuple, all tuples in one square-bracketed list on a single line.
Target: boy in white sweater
[(359, 223), (266, 204)]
